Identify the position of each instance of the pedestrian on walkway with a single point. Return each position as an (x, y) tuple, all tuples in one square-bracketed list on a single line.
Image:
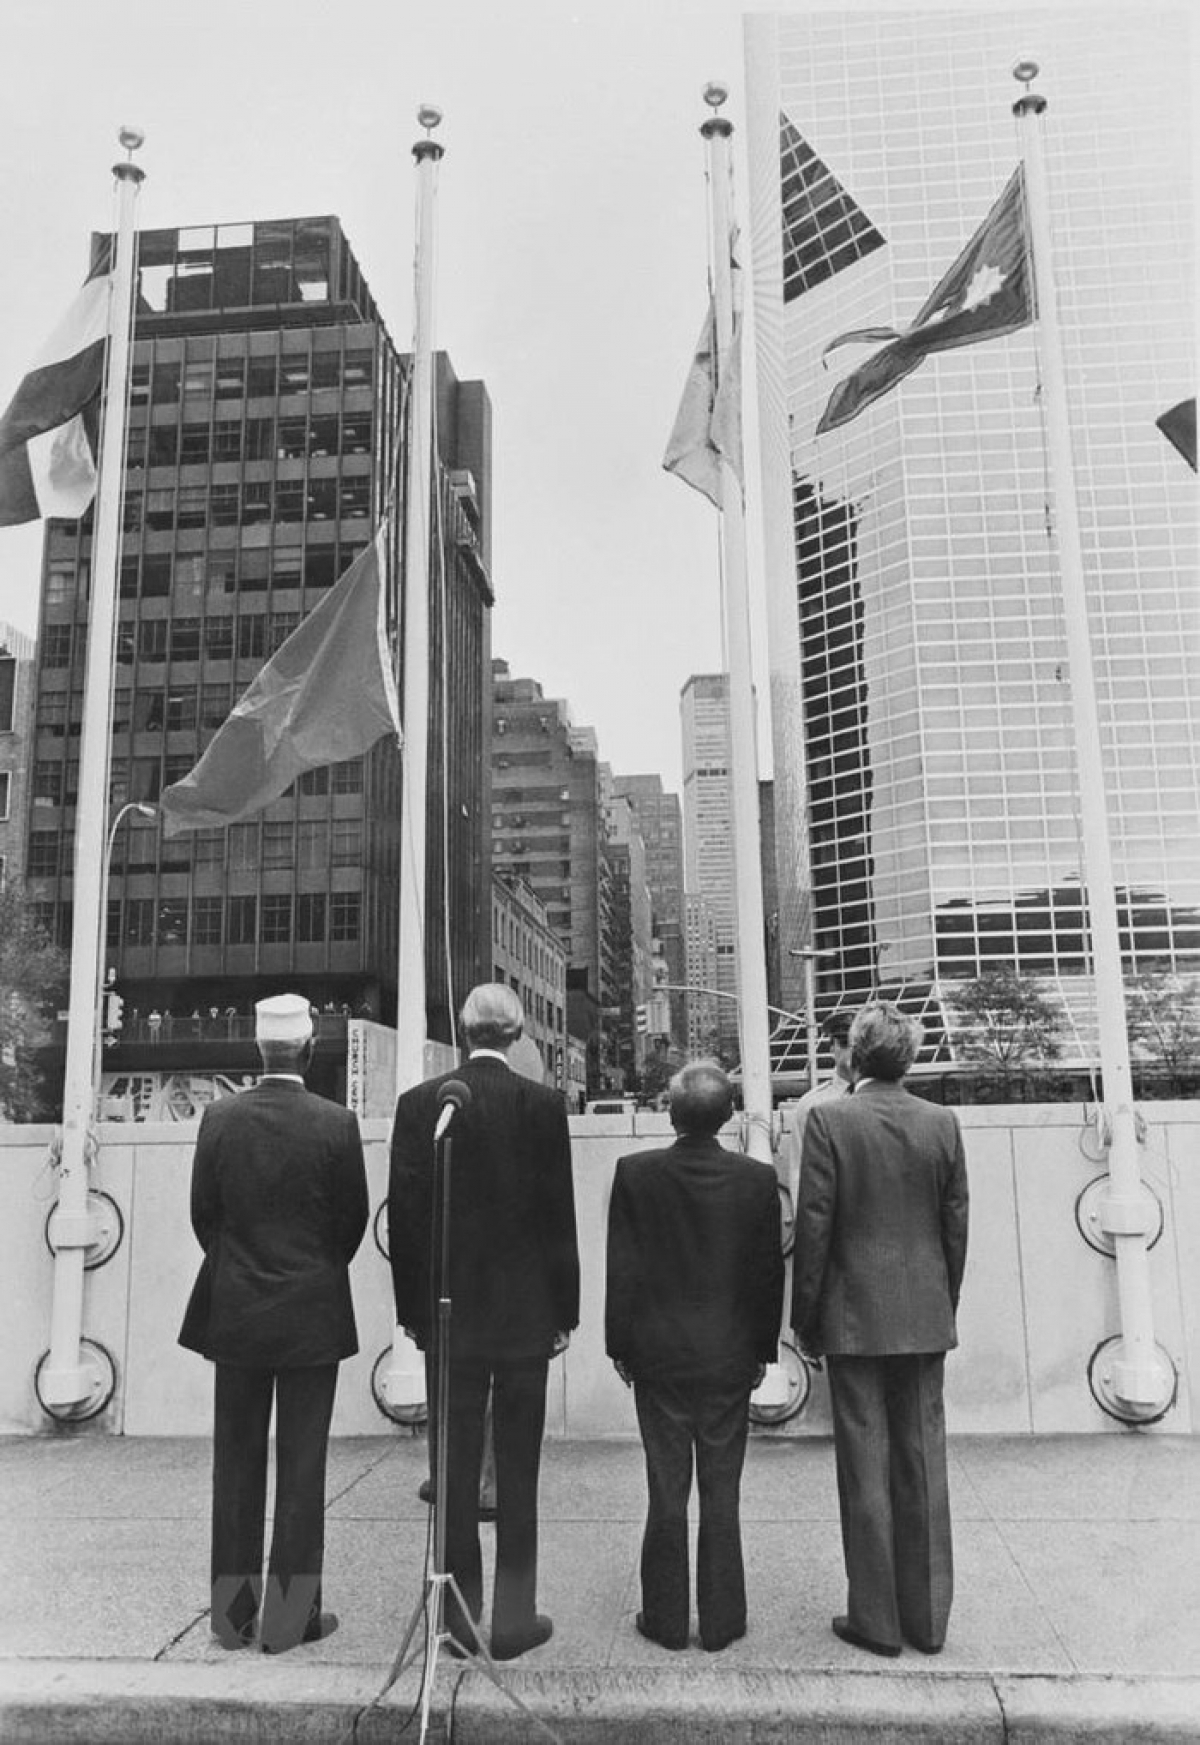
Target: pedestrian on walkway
[(279, 1205), (514, 1295), (881, 1241), (694, 1303)]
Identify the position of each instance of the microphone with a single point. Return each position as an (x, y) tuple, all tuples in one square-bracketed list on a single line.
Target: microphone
[(454, 1095)]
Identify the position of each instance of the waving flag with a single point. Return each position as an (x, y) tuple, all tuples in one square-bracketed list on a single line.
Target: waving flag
[(988, 291), (327, 694), (48, 434)]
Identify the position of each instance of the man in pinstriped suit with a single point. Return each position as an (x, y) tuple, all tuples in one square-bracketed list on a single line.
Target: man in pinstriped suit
[(881, 1241), (514, 1288)]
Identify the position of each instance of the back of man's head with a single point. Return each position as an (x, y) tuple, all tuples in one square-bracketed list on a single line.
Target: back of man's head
[(283, 1030), (884, 1041), (492, 1017), (701, 1098)]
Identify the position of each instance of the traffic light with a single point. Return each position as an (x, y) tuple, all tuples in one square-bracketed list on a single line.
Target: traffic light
[(643, 1020), (114, 1012)]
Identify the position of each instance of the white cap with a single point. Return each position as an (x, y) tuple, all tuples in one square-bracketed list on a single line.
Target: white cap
[(283, 1018)]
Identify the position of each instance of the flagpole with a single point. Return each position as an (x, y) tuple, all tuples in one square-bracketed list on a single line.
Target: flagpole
[(68, 1378), (402, 1378), (410, 981), (750, 931), (1137, 1380)]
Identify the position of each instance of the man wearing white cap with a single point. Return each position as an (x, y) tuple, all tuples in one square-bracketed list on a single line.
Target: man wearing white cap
[(279, 1205)]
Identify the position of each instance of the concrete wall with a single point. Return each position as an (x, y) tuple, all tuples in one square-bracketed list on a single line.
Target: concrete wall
[(1037, 1300)]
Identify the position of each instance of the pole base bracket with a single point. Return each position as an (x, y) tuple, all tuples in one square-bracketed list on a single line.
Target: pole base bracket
[(1132, 1392), (73, 1395), (399, 1389), (98, 1231), (783, 1392), (1102, 1216)]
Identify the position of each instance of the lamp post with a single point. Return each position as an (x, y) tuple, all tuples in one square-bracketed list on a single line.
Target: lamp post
[(810, 954), (145, 811)]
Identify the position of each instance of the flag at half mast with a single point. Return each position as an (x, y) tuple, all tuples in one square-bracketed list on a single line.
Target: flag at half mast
[(327, 694), (48, 435), (987, 292)]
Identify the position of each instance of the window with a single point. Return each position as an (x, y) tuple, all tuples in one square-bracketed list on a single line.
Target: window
[(127, 581), (139, 920), (198, 378), (173, 921), (241, 915), (47, 782), (5, 784), (44, 848), (131, 511), (312, 843), (255, 570), (185, 639), (292, 438), (252, 635), (243, 847), (322, 499), (290, 498), (277, 844), (181, 707), (164, 445), (160, 509), (347, 842), (165, 391), (314, 781), (357, 434), (152, 639), (112, 924), (148, 712), (206, 921), (356, 497), (61, 587), (310, 919), (214, 704), (56, 652), (256, 503), (221, 572), (286, 568), (348, 776), (192, 507), (344, 911), (145, 779), (357, 369), (261, 377), (323, 436), (225, 505), (277, 920), (260, 438), (231, 372), (282, 625), (218, 638), (293, 375), (227, 439), (156, 575), (52, 713), (208, 848), (326, 371), (320, 566)]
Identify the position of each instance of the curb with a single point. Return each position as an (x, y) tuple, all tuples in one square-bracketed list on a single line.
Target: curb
[(171, 1703)]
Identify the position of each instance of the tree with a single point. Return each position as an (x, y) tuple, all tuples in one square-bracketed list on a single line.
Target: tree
[(1007, 1025), (33, 986), (1163, 1017)]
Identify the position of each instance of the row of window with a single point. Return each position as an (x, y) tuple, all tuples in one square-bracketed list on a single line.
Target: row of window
[(212, 574), (254, 378), (199, 442), (167, 507), (308, 843), (306, 919)]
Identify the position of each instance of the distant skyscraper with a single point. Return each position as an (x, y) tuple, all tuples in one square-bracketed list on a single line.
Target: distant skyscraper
[(660, 820), (632, 935), (708, 832), (925, 783), (16, 720), (703, 1032)]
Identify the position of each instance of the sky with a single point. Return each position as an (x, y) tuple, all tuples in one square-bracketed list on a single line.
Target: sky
[(572, 247)]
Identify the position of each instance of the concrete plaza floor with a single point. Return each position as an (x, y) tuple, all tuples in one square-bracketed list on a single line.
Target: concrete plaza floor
[(1077, 1613)]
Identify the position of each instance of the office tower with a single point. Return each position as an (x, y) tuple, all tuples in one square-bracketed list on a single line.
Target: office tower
[(16, 719), (703, 1028), (632, 934), (548, 828), (923, 743), (660, 820), (265, 441), (708, 835), (530, 957)]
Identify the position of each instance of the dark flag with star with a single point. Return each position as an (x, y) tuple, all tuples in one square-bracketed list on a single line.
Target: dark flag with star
[(988, 291)]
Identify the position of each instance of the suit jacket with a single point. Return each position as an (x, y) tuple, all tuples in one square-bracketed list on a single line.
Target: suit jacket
[(279, 1205), (514, 1257), (695, 1266), (881, 1229)]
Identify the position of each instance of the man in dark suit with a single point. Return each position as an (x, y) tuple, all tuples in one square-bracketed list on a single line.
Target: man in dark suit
[(514, 1291), (881, 1241), (695, 1298), (279, 1205)]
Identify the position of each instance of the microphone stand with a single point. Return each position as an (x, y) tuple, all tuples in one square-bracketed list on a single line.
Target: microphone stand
[(432, 1601)]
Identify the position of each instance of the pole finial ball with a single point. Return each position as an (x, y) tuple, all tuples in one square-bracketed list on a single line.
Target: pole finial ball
[(131, 138), (715, 93), (1026, 71), (429, 117)]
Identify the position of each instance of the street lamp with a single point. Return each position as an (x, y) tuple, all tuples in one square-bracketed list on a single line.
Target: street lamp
[(145, 811), (810, 954)]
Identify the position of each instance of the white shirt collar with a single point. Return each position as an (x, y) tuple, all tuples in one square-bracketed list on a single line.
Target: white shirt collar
[(293, 1078), (488, 1054)]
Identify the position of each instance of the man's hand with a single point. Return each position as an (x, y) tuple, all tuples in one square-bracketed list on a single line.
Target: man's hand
[(560, 1343), (623, 1372)]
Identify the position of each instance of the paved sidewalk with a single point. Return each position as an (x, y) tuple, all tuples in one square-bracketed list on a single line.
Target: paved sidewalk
[(1077, 1614)]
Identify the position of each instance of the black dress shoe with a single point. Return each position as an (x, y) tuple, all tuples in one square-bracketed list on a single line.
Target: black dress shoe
[(843, 1628), (643, 1629), (512, 1647), (925, 1647), (719, 1642), (315, 1630)]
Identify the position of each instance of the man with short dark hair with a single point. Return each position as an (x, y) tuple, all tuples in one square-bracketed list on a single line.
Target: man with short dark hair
[(695, 1298), (279, 1205), (514, 1291), (881, 1242), (836, 1030)]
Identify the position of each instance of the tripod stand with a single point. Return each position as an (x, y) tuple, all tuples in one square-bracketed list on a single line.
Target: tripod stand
[(438, 1579)]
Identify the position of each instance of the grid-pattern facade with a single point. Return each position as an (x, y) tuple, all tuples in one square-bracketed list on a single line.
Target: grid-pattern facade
[(264, 441), (660, 820), (16, 691), (708, 834), (927, 733), (529, 957)]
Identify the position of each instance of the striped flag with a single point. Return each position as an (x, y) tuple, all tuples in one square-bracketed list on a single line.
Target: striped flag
[(48, 434), (988, 291), (327, 694)]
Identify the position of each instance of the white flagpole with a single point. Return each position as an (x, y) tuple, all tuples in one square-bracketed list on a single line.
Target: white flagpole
[(68, 1378), (750, 938), (410, 987), (1139, 1379), (401, 1381)]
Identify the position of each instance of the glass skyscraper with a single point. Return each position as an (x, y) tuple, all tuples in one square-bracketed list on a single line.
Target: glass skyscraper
[(924, 759)]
